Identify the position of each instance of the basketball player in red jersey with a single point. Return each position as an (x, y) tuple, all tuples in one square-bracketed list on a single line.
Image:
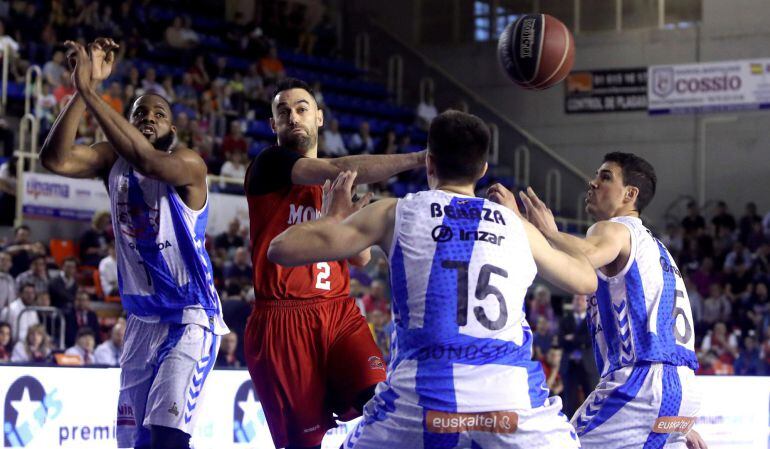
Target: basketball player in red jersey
[(309, 351)]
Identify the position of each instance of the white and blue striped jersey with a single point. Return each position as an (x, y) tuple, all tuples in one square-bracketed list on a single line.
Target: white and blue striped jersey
[(164, 272), (642, 314), (460, 269)]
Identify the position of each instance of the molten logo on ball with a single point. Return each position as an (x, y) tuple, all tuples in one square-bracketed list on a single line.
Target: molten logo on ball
[(536, 51), (527, 38)]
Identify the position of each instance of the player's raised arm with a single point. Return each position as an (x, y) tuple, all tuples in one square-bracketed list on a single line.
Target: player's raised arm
[(370, 168), (343, 232), (59, 152), (138, 142), (602, 245), (566, 268)]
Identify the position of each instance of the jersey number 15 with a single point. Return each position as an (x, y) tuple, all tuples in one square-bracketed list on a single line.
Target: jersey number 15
[(483, 290)]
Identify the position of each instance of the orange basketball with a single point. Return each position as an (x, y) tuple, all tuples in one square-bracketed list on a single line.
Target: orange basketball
[(536, 51)]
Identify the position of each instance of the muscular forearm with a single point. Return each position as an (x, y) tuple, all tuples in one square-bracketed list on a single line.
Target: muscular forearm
[(62, 136), (376, 168), (127, 141), (575, 246), (307, 242)]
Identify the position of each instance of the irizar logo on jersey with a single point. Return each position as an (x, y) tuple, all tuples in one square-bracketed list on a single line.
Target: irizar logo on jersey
[(300, 213), (467, 213), (443, 233)]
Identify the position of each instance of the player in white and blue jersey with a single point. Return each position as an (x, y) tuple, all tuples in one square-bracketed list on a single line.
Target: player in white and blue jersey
[(640, 318), (159, 201), (461, 373)]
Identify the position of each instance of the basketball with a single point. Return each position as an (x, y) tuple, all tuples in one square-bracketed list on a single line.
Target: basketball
[(536, 51)]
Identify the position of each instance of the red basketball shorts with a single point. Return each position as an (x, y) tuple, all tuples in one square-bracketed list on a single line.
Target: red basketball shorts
[(309, 359)]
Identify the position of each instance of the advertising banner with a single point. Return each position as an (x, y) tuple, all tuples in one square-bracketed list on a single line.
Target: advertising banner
[(617, 90), (56, 197), (709, 87), (52, 407)]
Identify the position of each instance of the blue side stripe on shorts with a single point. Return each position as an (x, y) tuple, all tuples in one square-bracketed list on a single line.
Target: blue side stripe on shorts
[(669, 405), (202, 370), (617, 399)]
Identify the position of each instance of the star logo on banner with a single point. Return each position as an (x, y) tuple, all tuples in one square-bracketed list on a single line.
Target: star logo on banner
[(252, 409), (25, 408)]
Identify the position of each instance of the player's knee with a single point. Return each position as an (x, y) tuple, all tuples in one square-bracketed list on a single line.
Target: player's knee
[(363, 397), (168, 438)]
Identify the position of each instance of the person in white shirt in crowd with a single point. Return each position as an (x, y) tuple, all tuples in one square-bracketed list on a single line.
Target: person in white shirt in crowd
[(27, 297), (16, 64), (108, 353), (426, 112), (34, 347), (108, 272), (84, 346), (362, 142), (53, 69), (179, 37), (7, 283), (234, 167), (333, 140)]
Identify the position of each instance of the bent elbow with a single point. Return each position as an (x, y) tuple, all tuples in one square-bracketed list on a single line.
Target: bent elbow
[(278, 254), (589, 284), (49, 162), (589, 289)]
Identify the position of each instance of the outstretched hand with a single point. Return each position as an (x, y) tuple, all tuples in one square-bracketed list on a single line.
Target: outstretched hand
[(694, 440), (103, 51), (90, 66), (499, 194), (538, 213), (80, 64), (338, 197)]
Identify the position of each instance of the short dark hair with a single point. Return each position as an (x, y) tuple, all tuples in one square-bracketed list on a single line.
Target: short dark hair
[(70, 259), (153, 94), (19, 228), (27, 285), (637, 172), (459, 144), (85, 330), (292, 83)]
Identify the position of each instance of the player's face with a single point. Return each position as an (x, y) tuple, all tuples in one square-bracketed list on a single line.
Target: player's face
[(606, 192), (296, 119), (152, 117)]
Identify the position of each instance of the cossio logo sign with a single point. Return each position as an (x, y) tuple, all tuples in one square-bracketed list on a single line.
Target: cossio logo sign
[(248, 416), (28, 408), (665, 82)]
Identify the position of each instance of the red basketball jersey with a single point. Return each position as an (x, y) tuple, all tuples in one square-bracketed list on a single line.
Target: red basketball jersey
[(274, 205)]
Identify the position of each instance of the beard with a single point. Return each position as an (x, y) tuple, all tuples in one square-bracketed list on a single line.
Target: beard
[(299, 141), (165, 142)]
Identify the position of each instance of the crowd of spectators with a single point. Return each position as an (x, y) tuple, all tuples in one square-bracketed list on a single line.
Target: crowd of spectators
[(213, 97)]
